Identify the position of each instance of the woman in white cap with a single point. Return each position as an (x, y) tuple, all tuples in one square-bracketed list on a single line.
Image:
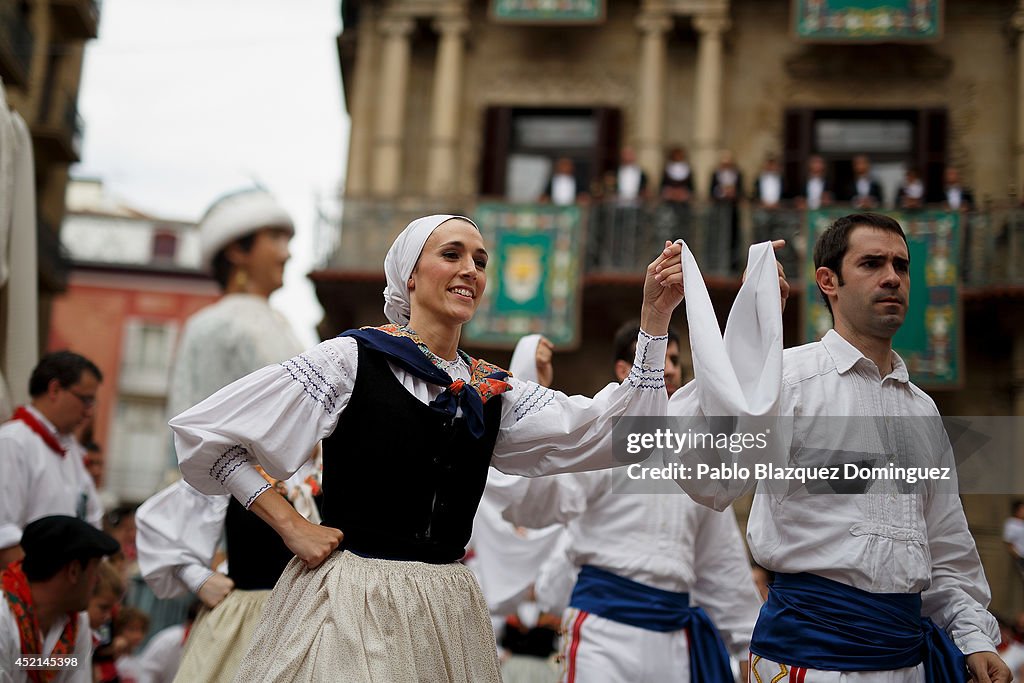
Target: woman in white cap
[(410, 425), (244, 244)]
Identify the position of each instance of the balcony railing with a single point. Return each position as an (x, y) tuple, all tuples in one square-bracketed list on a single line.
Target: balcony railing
[(620, 240), (16, 44)]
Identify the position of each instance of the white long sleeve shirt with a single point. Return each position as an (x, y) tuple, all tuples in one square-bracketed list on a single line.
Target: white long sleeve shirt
[(657, 537), (878, 542), (37, 482), (275, 415), (883, 541)]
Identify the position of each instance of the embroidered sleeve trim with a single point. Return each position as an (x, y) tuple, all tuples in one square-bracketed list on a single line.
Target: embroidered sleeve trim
[(229, 461), (256, 495), (534, 401), (650, 338), (314, 380), (646, 375)]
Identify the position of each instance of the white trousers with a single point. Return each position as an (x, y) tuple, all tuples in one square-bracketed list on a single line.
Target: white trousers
[(597, 650), (764, 671)]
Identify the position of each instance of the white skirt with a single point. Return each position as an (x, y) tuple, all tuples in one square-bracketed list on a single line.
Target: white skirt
[(374, 621), (220, 637)]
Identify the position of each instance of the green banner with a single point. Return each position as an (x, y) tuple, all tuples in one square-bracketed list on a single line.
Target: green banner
[(534, 275), (868, 20), (930, 340), (548, 11)]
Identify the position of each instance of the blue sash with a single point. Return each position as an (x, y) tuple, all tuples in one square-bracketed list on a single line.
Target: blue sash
[(816, 623), (616, 598)]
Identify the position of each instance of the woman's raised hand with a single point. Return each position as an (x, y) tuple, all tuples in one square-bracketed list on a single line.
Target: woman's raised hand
[(663, 290)]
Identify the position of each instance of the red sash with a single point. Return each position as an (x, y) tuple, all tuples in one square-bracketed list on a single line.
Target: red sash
[(23, 415)]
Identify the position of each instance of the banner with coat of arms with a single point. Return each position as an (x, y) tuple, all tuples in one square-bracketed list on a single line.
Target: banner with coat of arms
[(931, 338), (548, 11), (534, 274), (857, 21)]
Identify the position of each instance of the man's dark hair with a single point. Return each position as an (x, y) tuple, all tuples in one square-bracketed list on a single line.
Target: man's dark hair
[(221, 265), (625, 340), (833, 244), (1016, 505), (64, 366)]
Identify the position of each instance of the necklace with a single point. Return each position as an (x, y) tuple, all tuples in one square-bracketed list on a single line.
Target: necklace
[(451, 367)]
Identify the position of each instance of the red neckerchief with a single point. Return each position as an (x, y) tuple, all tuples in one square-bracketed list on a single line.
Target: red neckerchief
[(19, 597), (22, 414)]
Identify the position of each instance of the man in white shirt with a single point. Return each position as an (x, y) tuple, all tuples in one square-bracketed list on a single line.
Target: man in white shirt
[(42, 471), (638, 548), (858, 573), (817, 191), (45, 595)]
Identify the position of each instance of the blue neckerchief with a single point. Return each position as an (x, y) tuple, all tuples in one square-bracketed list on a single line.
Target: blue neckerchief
[(816, 623), (405, 353), (630, 602)]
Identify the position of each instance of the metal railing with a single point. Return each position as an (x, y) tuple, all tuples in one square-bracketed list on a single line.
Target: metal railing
[(622, 239)]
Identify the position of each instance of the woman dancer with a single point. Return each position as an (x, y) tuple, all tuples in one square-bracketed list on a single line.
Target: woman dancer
[(410, 424)]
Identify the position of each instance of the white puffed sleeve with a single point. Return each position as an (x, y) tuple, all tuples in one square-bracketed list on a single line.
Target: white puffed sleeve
[(272, 418), (178, 530), (546, 432)]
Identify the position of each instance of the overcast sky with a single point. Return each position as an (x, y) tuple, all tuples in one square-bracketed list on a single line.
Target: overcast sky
[(186, 100)]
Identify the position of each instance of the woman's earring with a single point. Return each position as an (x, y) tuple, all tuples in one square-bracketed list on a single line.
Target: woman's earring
[(241, 278)]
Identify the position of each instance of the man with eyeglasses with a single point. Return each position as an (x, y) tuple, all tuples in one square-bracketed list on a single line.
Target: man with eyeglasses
[(42, 469)]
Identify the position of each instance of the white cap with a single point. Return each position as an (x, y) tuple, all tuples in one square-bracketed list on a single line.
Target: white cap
[(235, 216)]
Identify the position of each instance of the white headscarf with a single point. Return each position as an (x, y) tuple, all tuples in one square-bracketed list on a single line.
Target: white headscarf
[(402, 258)]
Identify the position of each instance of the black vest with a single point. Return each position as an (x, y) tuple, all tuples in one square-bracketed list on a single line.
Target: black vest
[(256, 554), (402, 480)]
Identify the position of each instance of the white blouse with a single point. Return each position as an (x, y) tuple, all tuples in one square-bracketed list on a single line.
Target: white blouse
[(274, 416)]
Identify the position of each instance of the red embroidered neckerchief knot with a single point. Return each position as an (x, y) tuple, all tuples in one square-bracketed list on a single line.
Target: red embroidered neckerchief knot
[(22, 414), (19, 598)]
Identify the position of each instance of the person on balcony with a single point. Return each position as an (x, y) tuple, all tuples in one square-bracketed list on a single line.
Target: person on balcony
[(864, 192), (911, 195), (723, 228), (955, 195), (818, 191), (563, 188), (675, 216)]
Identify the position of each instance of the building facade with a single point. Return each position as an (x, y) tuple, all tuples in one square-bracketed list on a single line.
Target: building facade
[(41, 47)]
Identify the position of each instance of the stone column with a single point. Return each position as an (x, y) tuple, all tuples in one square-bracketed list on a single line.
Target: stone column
[(447, 105), (360, 144), (707, 134), (1017, 24), (650, 107), (390, 114)]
